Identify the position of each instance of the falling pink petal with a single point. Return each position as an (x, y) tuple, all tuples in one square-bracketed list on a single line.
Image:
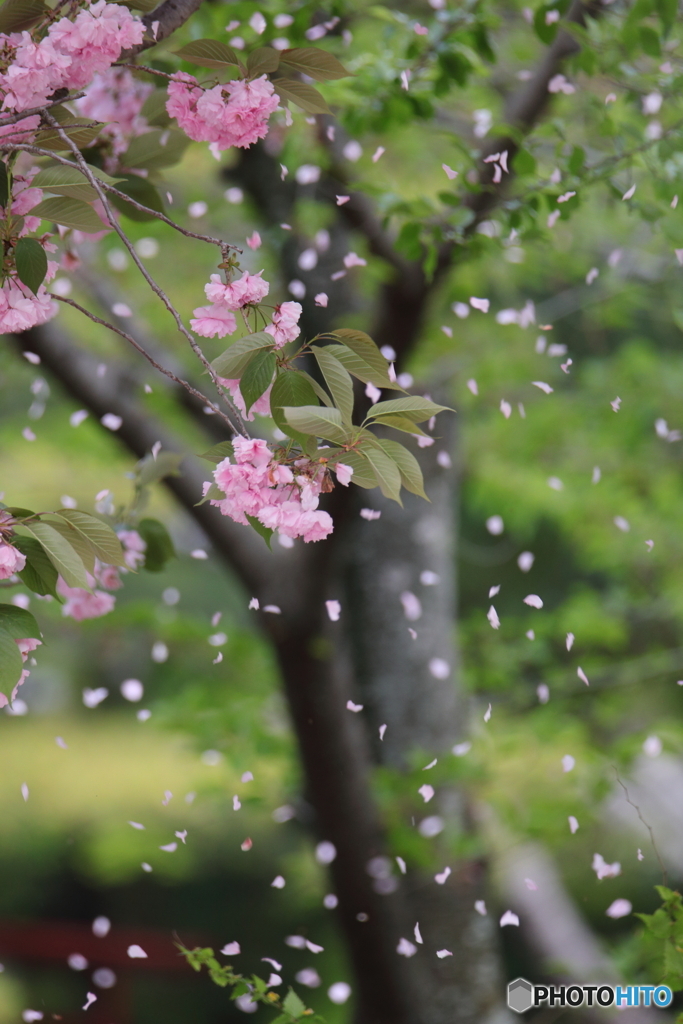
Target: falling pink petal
[(254, 241), (582, 676), (509, 918), (450, 173)]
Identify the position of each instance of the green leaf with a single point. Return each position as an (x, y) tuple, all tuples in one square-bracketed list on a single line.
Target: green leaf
[(232, 363), (257, 377), (31, 263), (67, 181), (39, 574), (159, 544), (156, 149), (649, 41), (291, 387), (316, 420), (16, 15), (364, 347), (546, 33), (208, 53), (61, 554), (77, 542), (82, 137), (292, 1004), (103, 540), (338, 381), (404, 424), (11, 664), (263, 61), (218, 452), (318, 388), (19, 623), (150, 470), (302, 94), (363, 473), (413, 408), (524, 162), (387, 472), (213, 493), (154, 109), (408, 466), (70, 213), (142, 191), (263, 531), (314, 62), (17, 512), (576, 160), (4, 184)]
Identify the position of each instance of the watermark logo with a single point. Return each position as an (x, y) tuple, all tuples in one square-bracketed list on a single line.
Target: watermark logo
[(522, 995)]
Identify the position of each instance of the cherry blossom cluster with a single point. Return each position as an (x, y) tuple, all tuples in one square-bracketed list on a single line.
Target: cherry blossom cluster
[(281, 498), (80, 604), (20, 309), (234, 114), (218, 319), (67, 57), (116, 98)]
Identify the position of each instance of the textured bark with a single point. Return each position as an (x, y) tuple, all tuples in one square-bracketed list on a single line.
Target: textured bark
[(426, 714)]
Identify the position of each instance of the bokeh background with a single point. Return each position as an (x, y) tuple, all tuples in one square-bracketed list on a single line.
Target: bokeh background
[(579, 485)]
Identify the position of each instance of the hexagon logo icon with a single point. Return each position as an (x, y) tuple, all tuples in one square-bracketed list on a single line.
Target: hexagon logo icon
[(520, 995)]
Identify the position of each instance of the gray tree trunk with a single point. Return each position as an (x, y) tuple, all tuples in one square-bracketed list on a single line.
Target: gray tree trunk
[(425, 713)]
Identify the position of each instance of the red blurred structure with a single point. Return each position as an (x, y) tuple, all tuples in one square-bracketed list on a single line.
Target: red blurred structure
[(29, 943)]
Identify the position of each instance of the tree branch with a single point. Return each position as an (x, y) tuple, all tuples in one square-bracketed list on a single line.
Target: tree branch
[(76, 370)]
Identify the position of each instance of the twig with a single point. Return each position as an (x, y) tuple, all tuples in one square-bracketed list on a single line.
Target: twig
[(143, 352), (39, 110), (37, 151), (648, 827), (158, 291)]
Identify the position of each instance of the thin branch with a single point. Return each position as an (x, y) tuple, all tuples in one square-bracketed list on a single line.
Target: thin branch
[(37, 151), (648, 827), (158, 291), (4, 121), (150, 359)]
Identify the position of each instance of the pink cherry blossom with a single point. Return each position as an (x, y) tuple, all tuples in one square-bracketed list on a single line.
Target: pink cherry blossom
[(249, 289), (20, 309), (116, 98), (344, 473), (234, 114), (69, 55), (80, 604), (11, 560), (285, 325), (94, 40), (257, 485), (134, 548), (213, 321)]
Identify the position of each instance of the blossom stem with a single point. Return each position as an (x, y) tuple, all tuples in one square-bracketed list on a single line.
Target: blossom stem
[(150, 359), (158, 291)]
